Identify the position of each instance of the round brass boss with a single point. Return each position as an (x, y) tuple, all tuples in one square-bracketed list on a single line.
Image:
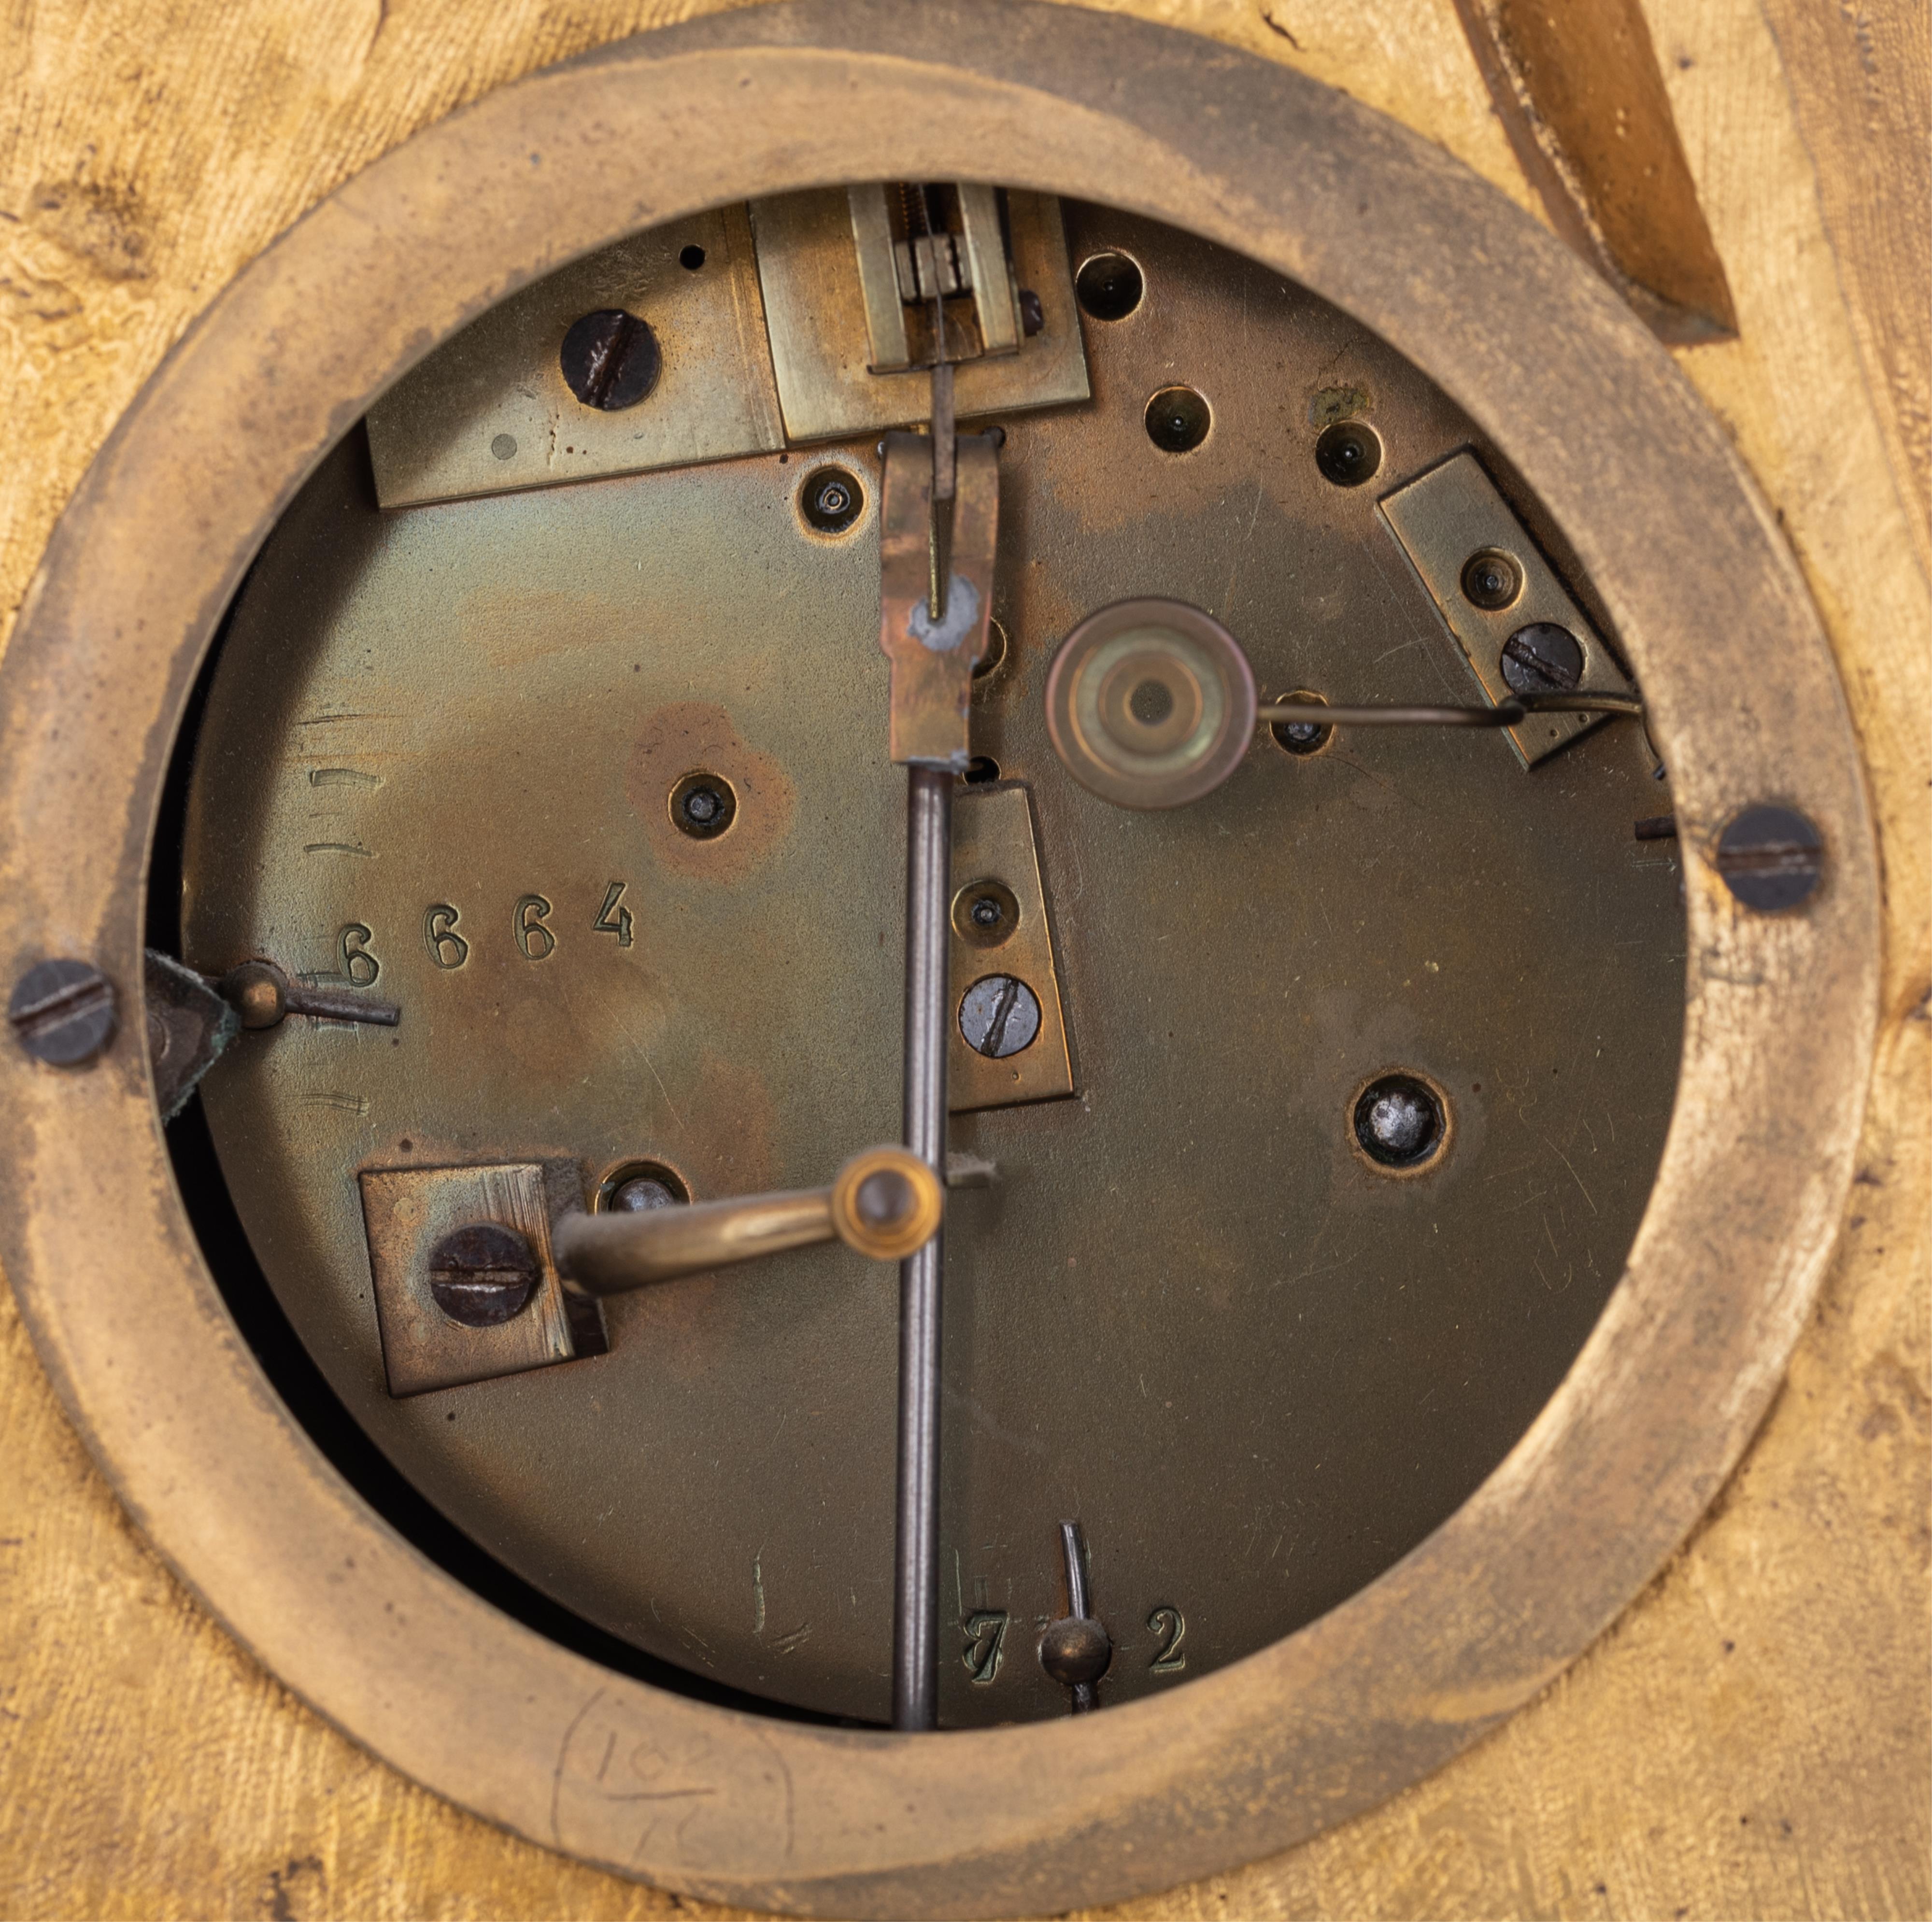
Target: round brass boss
[(1659, 1403), (886, 1203), (1151, 704)]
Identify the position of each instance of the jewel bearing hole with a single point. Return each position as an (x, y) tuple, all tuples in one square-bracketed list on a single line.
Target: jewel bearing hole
[(1401, 1122), (610, 359), (482, 1274), (702, 805), (1151, 703), (1177, 420), (1348, 453), (1542, 659), (1492, 579), (1302, 738), (999, 1016), (634, 1186), (985, 914), (831, 500), (1109, 285)]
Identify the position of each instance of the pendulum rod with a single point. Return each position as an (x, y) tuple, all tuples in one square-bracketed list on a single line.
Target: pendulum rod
[(929, 876), (916, 1576), (939, 513)]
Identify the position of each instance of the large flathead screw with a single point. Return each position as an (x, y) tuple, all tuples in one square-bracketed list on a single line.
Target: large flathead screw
[(482, 1274), (63, 1011), (1771, 858)]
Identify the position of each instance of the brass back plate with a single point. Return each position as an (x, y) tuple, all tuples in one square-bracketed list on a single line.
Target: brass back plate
[(1675, 1377), (1188, 1312)]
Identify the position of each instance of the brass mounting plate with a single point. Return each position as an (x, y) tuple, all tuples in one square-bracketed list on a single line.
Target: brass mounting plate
[(1443, 518), (407, 1211), (993, 841), (489, 412)]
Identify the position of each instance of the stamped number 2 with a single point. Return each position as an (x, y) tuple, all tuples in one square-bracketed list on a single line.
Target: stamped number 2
[(1170, 1625)]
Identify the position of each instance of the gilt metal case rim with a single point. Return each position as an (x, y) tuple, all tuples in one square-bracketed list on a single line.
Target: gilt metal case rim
[(1572, 390)]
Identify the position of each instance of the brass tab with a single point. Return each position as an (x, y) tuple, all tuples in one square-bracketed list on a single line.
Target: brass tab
[(878, 279), (995, 854), (490, 411), (406, 1211), (1448, 518), (995, 300), (933, 660), (818, 307)]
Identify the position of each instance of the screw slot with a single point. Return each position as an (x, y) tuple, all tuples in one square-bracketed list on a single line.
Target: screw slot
[(1177, 420), (702, 805), (985, 914), (1348, 453), (482, 1274), (1401, 1123), (1109, 285), (1543, 658), (610, 359), (1770, 857), (831, 500), (1492, 579), (1000, 1016), (63, 1011)]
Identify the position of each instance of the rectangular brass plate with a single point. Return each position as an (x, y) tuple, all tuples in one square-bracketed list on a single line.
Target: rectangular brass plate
[(1441, 519), (406, 1212), (821, 347), (490, 412), (993, 841)]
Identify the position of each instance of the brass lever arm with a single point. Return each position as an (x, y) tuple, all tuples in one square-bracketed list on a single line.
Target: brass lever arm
[(885, 1203)]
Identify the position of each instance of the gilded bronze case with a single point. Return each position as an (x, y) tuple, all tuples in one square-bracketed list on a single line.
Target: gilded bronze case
[(1742, 701)]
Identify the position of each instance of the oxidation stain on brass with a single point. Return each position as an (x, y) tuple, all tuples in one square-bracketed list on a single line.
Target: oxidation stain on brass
[(693, 737), (1258, 1372)]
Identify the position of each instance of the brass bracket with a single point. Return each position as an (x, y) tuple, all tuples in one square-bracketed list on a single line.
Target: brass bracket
[(895, 274), (406, 1211), (838, 335), (996, 855), (490, 412), (1446, 518)]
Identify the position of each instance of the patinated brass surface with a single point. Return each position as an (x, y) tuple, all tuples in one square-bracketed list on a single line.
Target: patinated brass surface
[(1189, 1313), (491, 412), (1634, 1547)]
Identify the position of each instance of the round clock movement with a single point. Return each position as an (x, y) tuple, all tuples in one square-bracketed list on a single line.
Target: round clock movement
[(940, 957)]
